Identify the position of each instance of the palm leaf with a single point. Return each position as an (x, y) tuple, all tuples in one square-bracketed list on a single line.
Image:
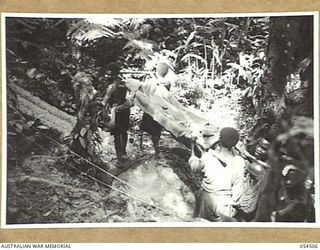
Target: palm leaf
[(83, 31), (191, 36), (90, 29)]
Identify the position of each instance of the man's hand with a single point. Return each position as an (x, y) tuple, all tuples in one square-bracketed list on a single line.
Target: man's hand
[(124, 106)]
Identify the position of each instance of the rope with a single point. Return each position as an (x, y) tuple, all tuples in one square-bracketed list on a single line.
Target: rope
[(86, 160), (74, 153), (107, 185)]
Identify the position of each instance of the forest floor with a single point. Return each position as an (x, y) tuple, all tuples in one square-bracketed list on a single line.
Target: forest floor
[(42, 189)]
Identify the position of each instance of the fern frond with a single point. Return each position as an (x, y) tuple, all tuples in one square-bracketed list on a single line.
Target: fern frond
[(90, 29), (84, 31)]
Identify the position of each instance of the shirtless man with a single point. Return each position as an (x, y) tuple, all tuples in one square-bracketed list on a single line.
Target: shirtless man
[(115, 100), (148, 124)]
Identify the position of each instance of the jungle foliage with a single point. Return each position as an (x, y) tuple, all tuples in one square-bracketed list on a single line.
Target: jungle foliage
[(270, 59)]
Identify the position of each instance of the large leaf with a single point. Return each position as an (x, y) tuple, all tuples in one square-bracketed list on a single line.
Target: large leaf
[(190, 37)]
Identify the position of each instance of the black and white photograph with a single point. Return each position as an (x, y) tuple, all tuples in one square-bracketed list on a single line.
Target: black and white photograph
[(160, 120)]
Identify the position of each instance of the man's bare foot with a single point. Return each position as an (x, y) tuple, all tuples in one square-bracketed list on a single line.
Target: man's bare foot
[(123, 161)]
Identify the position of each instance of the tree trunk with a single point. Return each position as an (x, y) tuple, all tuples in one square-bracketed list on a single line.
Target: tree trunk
[(290, 41)]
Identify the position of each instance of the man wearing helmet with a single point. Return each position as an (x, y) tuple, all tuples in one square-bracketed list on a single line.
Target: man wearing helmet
[(148, 124), (221, 187)]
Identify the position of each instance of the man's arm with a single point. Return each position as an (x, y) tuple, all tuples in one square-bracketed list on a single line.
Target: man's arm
[(289, 208), (128, 104), (194, 162), (109, 92)]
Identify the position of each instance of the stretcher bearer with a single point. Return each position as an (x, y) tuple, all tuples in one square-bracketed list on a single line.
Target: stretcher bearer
[(148, 124), (115, 100), (221, 187)]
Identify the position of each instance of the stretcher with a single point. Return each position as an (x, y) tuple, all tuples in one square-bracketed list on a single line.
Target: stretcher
[(154, 99), (183, 124)]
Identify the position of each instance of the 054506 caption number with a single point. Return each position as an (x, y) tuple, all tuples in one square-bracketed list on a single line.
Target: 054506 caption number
[(309, 245)]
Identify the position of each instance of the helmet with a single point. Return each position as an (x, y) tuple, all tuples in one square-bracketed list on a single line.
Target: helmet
[(229, 137), (162, 69)]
